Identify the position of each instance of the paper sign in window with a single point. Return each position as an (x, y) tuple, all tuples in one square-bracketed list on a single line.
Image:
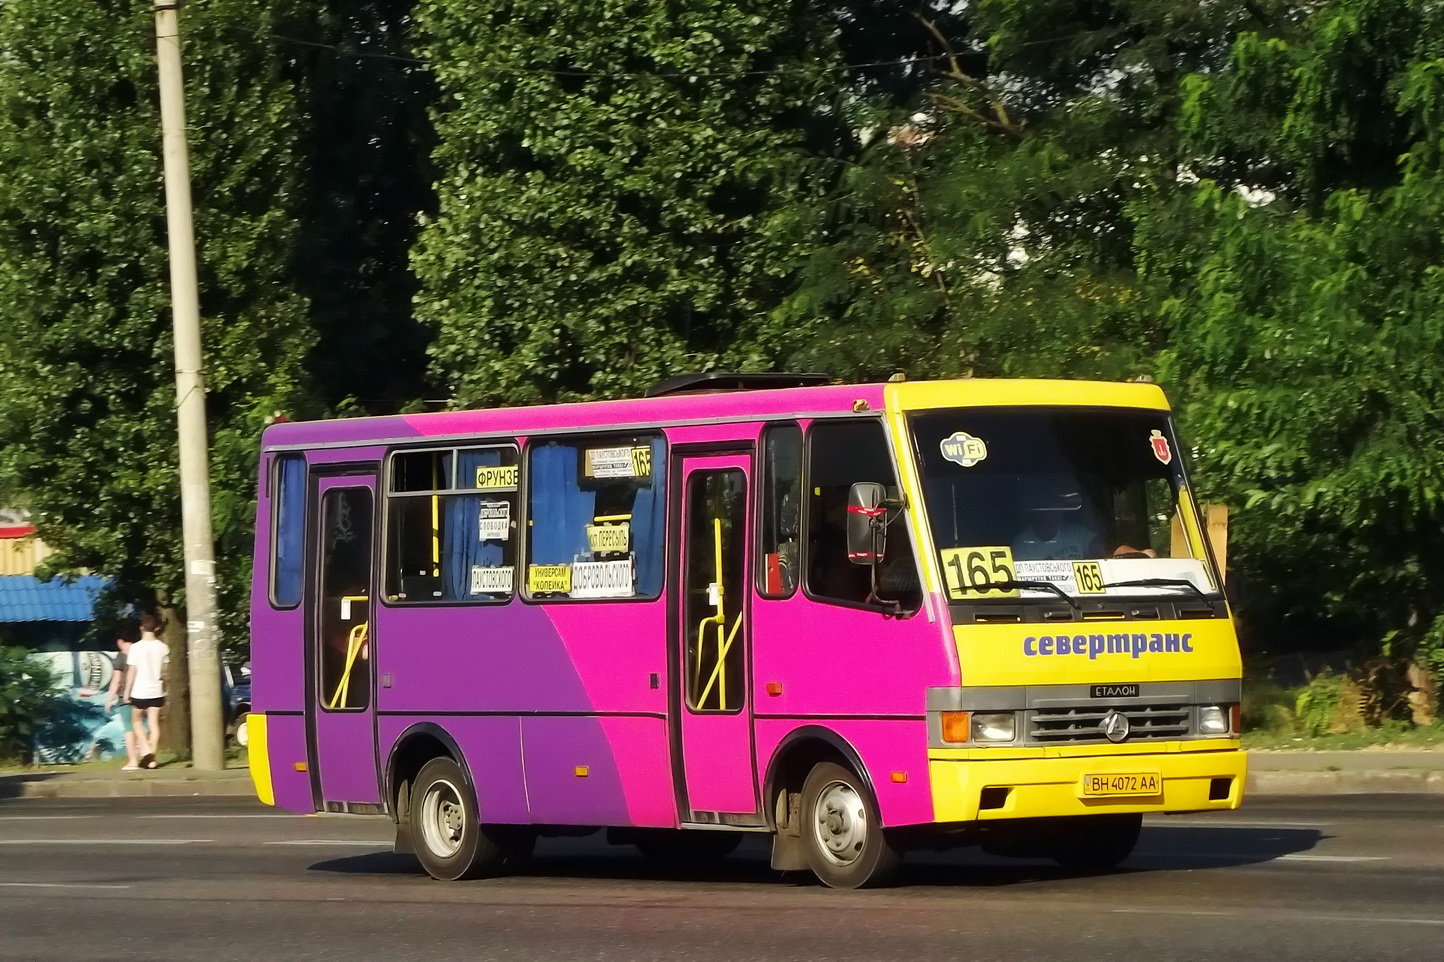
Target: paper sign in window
[(618, 462), (496, 477), (609, 538), (494, 520), (602, 579), (492, 580), (549, 579)]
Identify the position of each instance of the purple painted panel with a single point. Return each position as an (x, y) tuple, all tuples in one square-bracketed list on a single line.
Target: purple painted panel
[(884, 665), (346, 756), (286, 748), (491, 748), (336, 456), (572, 775), (885, 746)]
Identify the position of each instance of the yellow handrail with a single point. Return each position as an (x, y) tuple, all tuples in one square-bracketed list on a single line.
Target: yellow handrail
[(724, 637), (354, 641)]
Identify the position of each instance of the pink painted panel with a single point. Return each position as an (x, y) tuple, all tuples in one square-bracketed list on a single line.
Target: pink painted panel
[(885, 746), (639, 747), (615, 648), (742, 405), (832, 660)]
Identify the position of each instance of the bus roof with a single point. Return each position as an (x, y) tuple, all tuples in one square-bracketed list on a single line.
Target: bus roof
[(637, 414)]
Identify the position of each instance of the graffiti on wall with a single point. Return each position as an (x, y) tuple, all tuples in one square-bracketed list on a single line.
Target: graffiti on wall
[(80, 728)]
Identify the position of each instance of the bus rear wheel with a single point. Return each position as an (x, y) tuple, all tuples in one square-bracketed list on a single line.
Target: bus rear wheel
[(1096, 843), (445, 830), (842, 833)]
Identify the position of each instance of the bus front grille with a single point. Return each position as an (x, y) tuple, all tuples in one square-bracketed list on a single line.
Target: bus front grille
[(1053, 725)]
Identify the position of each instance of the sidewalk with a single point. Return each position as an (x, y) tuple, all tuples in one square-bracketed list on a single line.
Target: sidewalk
[(95, 782), (1363, 771)]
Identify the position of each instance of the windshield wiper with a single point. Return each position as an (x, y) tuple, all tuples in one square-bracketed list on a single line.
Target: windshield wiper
[(1010, 584), (1161, 583)]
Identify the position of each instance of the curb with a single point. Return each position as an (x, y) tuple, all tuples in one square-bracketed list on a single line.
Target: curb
[(129, 788), (1377, 782)]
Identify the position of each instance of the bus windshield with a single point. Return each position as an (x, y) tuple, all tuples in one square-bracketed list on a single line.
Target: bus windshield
[(1037, 502)]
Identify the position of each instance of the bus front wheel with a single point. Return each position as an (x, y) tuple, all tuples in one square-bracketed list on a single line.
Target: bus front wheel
[(445, 830), (841, 831)]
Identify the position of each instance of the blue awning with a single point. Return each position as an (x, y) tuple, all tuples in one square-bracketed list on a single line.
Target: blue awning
[(25, 598)]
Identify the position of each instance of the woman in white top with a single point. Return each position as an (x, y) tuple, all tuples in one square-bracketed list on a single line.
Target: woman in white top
[(145, 687)]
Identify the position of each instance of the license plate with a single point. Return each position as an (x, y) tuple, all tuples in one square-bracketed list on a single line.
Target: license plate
[(1122, 783)]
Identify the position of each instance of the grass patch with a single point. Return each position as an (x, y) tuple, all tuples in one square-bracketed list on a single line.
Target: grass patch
[(1388, 735)]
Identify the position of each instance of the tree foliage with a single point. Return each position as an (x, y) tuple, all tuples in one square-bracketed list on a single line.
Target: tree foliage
[(627, 187), (86, 382)]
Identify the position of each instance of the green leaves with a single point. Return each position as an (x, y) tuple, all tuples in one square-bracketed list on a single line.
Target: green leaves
[(626, 188)]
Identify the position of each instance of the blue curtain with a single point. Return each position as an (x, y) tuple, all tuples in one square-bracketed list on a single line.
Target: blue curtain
[(290, 533), (648, 514), (461, 546), (559, 510)]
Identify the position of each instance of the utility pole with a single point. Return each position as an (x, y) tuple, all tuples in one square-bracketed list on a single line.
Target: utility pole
[(207, 748)]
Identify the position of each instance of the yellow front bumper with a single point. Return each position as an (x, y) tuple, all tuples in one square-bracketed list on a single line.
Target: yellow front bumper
[(1049, 786)]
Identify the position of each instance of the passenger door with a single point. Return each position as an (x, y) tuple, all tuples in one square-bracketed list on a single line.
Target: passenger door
[(713, 638), (341, 703)]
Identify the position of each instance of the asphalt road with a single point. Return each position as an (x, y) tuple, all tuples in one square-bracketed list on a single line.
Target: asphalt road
[(1355, 878)]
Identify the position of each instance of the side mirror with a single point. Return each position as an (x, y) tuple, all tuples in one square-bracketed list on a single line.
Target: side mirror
[(866, 527)]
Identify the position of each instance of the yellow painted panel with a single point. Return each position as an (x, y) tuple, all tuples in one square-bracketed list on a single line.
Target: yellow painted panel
[(1011, 392), (1050, 786), (257, 757), (1022, 654)]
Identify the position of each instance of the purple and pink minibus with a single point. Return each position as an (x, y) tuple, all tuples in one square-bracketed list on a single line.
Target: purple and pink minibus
[(852, 619)]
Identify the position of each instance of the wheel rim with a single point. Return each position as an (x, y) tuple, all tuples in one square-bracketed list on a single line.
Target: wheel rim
[(442, 818), (839, 823), (241, 737)]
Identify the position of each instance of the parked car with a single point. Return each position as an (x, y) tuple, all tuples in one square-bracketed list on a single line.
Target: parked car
[(236, 683)]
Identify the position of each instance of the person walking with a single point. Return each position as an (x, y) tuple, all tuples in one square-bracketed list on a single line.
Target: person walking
[(118, 672), (145, 687)]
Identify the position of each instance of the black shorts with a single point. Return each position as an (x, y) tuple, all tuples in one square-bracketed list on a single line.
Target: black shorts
[(147, 702)]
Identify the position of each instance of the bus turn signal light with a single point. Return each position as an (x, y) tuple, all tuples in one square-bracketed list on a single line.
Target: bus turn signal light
[(957, 726)]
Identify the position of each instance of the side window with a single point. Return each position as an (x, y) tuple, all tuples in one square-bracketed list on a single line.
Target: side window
[(840, 454), (595, 516), (452, 525), (288, 531), (781, 564)]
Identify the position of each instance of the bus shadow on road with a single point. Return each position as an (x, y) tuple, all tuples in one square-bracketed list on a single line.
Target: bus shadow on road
[(1161, 848)]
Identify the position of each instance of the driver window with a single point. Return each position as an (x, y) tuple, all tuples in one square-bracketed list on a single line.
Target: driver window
[(840, 454)]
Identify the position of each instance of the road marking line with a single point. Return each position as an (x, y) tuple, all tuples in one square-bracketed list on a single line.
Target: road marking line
[(60, 885), (1262, 857), (103, 841), (330, 841), (1166, 822), (217, 816), (42, 818), (1286, 916)]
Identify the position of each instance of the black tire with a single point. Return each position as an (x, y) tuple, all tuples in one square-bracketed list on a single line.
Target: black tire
[(1096, 843), (686, 849), (842, 833), (445, 830)]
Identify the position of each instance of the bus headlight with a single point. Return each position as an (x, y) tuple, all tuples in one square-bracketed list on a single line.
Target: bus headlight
[(999, 727), (1212, 720)]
